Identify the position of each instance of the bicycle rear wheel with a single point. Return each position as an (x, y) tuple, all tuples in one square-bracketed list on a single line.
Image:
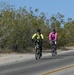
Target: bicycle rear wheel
[(53, 52), (37, 54)]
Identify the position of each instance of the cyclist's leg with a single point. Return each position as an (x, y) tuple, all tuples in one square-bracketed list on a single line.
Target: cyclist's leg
[(40, 51), (55, 49), (50, 44), (41, 48), (35, 44)]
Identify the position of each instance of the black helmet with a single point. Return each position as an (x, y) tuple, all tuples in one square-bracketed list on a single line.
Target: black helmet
[(38, 30), (53, 29)]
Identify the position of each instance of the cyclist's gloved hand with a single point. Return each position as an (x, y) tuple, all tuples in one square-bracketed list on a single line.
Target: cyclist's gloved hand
[(55, 42), (32, 40), (50, 42), (42, 40)]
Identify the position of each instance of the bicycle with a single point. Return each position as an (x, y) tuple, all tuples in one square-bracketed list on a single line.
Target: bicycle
[(37, 50), (53, 48)]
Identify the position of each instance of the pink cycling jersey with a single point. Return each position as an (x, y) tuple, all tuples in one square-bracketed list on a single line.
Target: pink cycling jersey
[(53, 36)]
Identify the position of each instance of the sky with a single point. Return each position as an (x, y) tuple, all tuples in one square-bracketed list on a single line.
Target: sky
[(49, 7)]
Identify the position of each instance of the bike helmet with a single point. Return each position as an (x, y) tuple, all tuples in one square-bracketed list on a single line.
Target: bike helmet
[(53, 29), (38, 30)]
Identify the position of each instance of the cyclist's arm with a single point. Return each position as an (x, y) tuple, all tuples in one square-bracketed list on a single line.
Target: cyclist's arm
[(56, 36), (33, 36), (42, 36), (50, 36)]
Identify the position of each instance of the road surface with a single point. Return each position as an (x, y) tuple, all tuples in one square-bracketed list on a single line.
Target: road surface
[(39, 67)]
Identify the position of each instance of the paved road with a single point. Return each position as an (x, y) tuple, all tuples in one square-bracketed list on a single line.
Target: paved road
[(68, 70), (38, 67)]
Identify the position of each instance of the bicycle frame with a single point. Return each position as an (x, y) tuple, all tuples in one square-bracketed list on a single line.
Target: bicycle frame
[(37, 50), (53, 48)]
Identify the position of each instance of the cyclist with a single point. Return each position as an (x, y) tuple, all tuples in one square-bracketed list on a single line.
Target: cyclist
[(38, 36), (53, 37)]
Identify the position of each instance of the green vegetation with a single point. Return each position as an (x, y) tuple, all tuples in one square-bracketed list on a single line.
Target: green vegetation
[(17, 27)]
